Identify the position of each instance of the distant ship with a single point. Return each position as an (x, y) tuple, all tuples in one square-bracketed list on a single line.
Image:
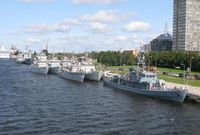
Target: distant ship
[(71, 72), (146, 83), (27, 58), (20, 58), (40, 64), (91, 73), (4, 54), (54, 66), (90, 70)]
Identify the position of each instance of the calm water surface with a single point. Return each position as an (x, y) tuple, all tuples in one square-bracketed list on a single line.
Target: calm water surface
[(32, 104)]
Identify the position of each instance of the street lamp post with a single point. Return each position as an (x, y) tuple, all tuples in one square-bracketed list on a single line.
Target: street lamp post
[(120, 61), (184, 74), (100, 63), (191, 65)]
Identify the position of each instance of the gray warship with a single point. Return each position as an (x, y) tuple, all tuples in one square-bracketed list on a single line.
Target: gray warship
[(143, 82)]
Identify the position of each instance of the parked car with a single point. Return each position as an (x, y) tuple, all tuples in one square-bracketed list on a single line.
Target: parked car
[(197, 77)]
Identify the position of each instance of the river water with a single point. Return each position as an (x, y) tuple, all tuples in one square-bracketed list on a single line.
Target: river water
[(32, 104)]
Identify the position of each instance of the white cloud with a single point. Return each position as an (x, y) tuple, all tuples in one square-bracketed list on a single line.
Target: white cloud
[(101, 42), (105, 2), (102, 16), (137, 26), (45, 28), (38, 28), (121, 38), (33, 41), (99, 27), (35, 1)]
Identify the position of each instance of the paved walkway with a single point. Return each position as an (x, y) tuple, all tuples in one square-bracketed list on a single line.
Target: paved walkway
[(191, 89)]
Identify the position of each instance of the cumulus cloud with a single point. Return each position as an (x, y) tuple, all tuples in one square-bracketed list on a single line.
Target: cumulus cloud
[(137, 26), (105, 2), (35, 1), (102, 16), (38, 28), (45, 28), (33, 41), (99, 27), (101, 42)]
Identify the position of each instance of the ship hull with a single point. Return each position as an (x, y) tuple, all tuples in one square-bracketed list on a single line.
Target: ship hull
[(177, 96), (28, 61), (93, 76), (4, 56), (74, 76), (54, 70), (40, 70), (20, 60)]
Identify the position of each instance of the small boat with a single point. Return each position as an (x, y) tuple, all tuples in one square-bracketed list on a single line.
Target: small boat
[(146, 83)]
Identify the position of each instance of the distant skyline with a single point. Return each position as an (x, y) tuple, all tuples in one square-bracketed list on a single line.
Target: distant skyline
[(83, 25)]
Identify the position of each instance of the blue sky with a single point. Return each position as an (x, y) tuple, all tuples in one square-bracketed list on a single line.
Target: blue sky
[(83, 25)]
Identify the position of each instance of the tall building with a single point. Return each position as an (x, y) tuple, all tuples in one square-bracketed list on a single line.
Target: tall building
[(186, 25)]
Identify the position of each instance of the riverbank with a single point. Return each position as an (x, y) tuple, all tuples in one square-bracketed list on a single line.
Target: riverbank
[(193, 92), (177, 80)]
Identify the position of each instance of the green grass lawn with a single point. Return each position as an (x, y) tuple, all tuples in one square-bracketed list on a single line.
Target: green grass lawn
[(178, 80), (178, 71)]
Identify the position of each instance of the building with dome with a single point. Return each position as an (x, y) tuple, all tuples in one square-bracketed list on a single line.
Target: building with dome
[(163, 42)]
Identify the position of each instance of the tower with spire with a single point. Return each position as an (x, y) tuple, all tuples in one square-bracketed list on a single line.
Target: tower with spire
[(166, 30)]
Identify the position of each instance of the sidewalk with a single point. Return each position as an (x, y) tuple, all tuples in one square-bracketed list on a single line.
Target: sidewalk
[(191, 89)]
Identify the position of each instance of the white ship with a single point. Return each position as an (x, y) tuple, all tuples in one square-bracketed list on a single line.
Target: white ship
[(71, 72), (27, 58), (90, 70), (91, 73), (4, 54), (40, 65), (54, 66), (20, 58)]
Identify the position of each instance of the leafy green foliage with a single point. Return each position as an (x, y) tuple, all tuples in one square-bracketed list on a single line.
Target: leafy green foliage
[(174, 59), (113, 58)]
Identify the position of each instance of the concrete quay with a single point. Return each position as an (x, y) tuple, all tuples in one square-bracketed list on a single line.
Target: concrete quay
[(193, 95)]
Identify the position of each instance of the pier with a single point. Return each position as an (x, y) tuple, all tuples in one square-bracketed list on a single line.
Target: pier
[(193, 95)]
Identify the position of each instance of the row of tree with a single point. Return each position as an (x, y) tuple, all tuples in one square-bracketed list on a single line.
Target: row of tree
[(174, 59), (113, 58), (168, 59)]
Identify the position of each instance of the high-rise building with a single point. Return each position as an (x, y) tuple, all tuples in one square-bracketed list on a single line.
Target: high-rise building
[(186, 25)]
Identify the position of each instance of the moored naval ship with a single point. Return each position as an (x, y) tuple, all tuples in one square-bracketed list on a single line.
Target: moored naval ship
[(54, 66), (71, 71), (4, 54), (90, 70), (146, 83), (40, 63), (20, 58), (27, 58)]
